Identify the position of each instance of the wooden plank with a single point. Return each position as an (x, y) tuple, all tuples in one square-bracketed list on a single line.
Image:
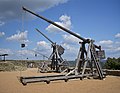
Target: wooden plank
[(47, 79)]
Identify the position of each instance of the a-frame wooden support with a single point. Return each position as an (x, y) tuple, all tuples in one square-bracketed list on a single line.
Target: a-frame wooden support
[(87, 59)]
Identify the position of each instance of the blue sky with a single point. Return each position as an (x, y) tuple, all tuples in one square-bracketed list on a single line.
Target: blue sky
[(96, 19)]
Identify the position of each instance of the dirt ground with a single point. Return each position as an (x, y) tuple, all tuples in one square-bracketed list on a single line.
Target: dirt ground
[(9, 83)]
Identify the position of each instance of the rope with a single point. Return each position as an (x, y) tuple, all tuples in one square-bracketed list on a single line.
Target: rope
[(22, 20), (22, 29)]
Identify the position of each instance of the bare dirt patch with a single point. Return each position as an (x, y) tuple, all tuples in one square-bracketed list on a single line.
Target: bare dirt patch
[(9, 83)]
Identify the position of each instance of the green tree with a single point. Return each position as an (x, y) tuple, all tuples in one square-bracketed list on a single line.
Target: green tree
[(113, 63)]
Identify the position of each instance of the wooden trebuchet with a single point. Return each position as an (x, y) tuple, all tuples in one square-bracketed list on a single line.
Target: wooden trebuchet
[(87, 62)]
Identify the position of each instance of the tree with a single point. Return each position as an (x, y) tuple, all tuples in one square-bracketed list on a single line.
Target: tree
[(113, 63)]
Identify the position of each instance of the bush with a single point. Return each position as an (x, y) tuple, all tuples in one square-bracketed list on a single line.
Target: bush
[(113, 63), (7, 67), (13, 66)]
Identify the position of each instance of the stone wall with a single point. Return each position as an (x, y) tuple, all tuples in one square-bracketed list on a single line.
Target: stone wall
[(113, 72)]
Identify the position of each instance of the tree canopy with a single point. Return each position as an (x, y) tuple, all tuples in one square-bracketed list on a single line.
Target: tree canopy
[(112, 63)]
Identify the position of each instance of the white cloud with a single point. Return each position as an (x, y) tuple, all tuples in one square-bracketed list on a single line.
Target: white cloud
[(30, 54), (5, 51), (2, 23), (21, 54), (43, 44), (68, 47), (65, 21), (106, 42), (118, 49), (71, 52), (111, 48), (11, 9), (117, 42), (44, 48), (20, 37), (2, 34), (26, 52), (70, 39), (117, 35)]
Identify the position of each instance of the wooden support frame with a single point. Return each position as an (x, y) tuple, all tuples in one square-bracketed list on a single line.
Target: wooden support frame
[(56, 59), (88, 57)]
